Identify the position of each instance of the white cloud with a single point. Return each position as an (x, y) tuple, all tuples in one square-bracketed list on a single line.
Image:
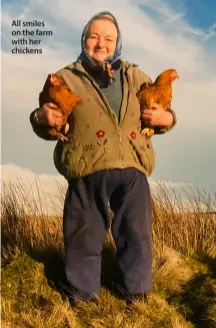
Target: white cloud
[(211, 32)]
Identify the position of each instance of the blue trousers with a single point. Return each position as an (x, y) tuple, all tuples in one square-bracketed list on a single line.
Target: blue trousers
[(86, 221)]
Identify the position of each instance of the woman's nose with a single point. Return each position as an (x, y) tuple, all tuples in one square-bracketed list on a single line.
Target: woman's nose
[(101, 42)]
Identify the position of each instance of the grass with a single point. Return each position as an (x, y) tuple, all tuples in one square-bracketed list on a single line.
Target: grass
[(184, 268)]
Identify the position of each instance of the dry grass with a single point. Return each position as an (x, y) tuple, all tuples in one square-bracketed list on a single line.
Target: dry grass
[(184, 268), (187, 229), (21, 232)]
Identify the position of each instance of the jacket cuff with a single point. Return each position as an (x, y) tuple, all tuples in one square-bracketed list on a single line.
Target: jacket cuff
[(39, 129)]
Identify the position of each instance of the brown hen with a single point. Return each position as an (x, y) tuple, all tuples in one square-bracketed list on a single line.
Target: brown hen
[(56, 91), (159, 92)]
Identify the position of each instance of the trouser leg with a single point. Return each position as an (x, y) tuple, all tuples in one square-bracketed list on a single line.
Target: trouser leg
[(132, 229), (85, 225)]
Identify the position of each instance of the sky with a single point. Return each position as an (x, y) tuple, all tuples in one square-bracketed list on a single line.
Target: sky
[(157, 35)]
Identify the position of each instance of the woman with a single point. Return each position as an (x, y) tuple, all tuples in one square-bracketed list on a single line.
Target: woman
[(106, 159)]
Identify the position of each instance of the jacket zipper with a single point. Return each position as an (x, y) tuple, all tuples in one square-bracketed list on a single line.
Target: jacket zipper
[(113, 116)]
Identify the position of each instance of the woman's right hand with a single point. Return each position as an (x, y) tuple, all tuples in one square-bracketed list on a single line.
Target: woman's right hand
[(48, 115)]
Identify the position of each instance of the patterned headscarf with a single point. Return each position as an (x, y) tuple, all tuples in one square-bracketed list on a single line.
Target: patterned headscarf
[(107, 64)]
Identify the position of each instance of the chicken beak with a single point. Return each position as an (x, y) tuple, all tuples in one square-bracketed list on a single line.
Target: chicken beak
[(175, 76)]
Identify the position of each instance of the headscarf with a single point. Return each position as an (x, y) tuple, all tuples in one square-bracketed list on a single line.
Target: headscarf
[(108, 63)]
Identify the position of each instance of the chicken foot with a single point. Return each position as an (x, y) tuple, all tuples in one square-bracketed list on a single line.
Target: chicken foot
[(61, 136), (147, 132)]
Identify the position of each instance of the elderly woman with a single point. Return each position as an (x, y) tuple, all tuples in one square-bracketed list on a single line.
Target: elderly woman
[(105, 160)]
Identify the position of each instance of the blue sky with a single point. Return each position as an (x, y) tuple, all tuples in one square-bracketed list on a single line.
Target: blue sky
[(201, 13), (157, 34)]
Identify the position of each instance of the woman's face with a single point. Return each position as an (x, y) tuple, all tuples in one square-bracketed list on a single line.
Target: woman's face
[(101, 39)]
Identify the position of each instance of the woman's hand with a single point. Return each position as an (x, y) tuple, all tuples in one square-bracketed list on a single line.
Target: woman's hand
[(156, 116), (48, 115)]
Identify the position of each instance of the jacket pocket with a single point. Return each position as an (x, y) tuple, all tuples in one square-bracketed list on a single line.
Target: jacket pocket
[(143, 153), (68, 159)]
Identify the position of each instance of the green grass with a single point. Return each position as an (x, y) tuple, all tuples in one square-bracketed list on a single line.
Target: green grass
[(184, 270)]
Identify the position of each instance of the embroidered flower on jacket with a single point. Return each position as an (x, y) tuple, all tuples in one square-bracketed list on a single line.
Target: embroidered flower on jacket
[(133, 135), (100, 133)]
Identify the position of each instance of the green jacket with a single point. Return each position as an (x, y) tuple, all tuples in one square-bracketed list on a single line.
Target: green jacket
[(96, 141)]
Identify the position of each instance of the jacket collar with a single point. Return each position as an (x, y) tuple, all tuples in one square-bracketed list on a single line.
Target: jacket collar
[(77, 66)]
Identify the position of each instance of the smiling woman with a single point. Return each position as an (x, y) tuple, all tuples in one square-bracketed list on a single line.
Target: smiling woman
[(101, 39), (104, 159)]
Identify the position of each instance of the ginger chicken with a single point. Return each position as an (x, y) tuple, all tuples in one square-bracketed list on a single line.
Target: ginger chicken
[(56, 91), (159, 92)]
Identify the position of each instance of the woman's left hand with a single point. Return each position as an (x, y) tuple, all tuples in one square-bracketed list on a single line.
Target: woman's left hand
[(156, 116)]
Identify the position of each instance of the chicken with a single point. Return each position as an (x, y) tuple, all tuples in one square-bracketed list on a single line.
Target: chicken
[(55, 90), (159, 92)]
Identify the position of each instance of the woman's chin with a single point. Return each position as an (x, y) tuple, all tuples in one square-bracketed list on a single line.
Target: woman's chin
[(99, 57)]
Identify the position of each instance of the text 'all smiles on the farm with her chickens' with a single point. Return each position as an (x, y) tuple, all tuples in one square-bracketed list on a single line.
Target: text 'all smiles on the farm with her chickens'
[(27, 36)]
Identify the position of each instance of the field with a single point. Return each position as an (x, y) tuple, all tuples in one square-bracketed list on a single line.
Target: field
[(184, 268)]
